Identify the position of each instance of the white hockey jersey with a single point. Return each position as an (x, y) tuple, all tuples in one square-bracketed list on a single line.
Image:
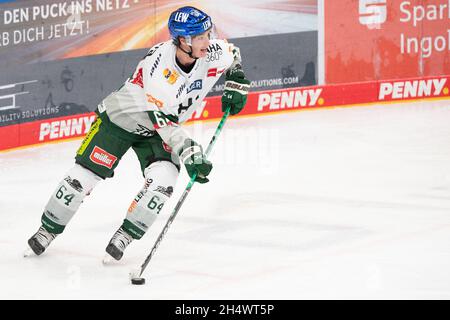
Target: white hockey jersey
[(159, 84)]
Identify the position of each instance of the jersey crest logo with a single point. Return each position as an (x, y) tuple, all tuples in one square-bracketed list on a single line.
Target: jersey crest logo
[(138, 79), (171, 75)]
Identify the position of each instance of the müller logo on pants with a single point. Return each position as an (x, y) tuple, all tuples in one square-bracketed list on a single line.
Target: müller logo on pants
[(102, 158)]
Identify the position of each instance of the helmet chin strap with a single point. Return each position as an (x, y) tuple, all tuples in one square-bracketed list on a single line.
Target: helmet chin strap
[(187, 52)]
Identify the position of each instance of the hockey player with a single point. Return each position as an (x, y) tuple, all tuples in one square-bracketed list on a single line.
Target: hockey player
[(145, 114)]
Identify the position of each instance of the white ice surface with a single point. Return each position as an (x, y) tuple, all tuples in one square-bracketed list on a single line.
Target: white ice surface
[(349, 203)]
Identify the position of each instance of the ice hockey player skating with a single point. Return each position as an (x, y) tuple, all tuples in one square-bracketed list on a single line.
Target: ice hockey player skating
[(145, 114)]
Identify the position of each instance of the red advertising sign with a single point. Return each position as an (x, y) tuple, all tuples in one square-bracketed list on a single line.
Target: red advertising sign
[(258, 103), (368, 40)]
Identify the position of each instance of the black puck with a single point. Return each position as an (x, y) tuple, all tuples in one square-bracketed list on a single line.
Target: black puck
[(138, 281)]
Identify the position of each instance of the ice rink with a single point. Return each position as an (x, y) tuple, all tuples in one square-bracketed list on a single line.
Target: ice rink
[(346, 203)]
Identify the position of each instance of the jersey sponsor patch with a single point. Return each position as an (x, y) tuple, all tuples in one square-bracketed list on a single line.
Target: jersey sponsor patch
[(214, 52), (95, 127), (214, 47), (196, 85), (102, 158), (171, 75), (214, 72), (183, 108), (136, 200)]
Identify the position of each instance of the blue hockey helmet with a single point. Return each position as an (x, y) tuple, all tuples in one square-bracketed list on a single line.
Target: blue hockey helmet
[(187, 22)]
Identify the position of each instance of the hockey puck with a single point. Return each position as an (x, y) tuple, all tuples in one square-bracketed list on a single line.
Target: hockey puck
[(138, 281)]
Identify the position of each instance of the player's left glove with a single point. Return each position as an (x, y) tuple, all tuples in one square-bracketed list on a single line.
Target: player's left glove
[(236, 90), (195, 161)]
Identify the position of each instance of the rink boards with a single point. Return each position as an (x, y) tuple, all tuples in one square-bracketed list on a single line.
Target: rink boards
[(259, 103)]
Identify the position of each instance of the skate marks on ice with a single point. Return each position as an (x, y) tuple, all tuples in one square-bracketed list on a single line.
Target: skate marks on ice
[(308, 224), (268, 222)]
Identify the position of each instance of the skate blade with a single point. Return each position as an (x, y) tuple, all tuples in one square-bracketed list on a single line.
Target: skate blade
[(28, 253), (134, 274), (108, 260)]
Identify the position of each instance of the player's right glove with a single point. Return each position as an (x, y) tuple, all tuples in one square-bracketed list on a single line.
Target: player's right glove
[(235, 91), (195, 161)]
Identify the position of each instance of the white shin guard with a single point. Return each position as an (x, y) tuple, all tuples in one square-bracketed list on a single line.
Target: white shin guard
[(160, 179), (67, 198)]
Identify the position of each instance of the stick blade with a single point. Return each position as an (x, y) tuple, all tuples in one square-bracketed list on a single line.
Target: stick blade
[(137, 281), (135, 277)]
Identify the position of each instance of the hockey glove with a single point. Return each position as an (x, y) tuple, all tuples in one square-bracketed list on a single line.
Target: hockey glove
[(236, 90), (195, 161)]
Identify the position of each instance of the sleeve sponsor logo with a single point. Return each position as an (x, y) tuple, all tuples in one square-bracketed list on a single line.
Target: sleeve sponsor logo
[(155, 101), (412, 89), (102, 158), (155, 65)]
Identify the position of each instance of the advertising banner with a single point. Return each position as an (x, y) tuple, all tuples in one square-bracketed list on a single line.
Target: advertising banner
[(60, 58), (368, 40), (42, 30), (58, 88), (259, 103)]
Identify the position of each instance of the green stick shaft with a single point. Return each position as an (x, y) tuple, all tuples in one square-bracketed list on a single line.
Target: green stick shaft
[(185, 194)]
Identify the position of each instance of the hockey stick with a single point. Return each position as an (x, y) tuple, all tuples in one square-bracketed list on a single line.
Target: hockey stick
[(136, 276)]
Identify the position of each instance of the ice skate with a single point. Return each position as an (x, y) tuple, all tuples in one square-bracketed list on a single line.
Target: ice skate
[(39, 242), (120, 240)]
